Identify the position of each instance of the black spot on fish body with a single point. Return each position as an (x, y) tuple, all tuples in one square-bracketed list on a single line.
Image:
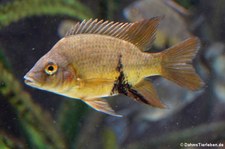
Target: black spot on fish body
[(122, 86), (119, 67)]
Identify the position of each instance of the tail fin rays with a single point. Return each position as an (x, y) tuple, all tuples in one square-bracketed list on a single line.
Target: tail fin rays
[(177, 67)]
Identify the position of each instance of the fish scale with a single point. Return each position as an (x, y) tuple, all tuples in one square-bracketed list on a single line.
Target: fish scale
[(104, 55)]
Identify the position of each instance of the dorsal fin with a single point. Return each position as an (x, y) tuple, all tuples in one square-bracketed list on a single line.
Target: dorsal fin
[(141, 33)]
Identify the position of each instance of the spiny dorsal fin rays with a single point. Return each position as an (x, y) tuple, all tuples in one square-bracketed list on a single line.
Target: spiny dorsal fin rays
[(85, 26), (101, 25), (94, 25), (141, 34)]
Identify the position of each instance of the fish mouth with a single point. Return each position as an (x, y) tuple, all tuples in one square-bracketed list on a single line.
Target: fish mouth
[(30, 81)]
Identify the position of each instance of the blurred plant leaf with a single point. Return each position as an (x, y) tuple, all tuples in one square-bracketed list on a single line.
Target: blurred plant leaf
[(8, 142), (17, 9), (70, 115), (4, 60), (34, 120), (107, 9)]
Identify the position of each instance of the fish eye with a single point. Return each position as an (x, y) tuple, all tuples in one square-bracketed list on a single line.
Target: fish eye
[(51, 69)]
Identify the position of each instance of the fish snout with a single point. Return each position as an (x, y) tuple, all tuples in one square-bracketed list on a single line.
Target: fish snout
[(30, 80)]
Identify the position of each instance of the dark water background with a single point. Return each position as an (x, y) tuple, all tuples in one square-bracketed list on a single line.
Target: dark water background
[(31, 118)]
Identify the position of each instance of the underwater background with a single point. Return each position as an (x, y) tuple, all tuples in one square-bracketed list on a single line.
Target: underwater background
[(31, 118)]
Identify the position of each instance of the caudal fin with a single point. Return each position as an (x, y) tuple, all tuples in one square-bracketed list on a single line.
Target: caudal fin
[(177, 64)]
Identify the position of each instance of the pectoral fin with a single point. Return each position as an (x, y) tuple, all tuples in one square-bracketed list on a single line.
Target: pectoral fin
[(101, 106), (145, 92)]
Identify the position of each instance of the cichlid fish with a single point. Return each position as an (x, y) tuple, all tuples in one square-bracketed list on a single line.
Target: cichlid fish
[(101, 58), (172, 30)]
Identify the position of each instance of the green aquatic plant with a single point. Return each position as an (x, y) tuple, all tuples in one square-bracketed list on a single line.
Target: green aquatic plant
[(33, 120), (9, 142), (107, 9), (4, 60), (18, 9), (69, 115)]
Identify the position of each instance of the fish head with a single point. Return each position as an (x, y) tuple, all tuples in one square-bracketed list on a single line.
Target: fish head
[(52, 72)]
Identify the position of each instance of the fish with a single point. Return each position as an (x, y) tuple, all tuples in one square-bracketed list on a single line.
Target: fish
[(98, 59), (174, 27)]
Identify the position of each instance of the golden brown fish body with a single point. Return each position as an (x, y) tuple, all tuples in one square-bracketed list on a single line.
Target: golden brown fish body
[(98, 59)]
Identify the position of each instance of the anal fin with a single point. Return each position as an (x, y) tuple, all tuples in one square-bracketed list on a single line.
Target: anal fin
[(145, 92), (101, 106)]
